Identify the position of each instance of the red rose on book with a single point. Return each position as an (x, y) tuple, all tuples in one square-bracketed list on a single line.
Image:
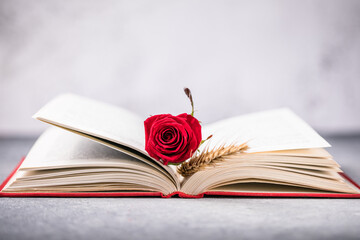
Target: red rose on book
[(172, 138)]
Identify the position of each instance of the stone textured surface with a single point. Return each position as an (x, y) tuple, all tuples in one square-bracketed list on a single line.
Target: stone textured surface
[(254, 55), (176, 218)]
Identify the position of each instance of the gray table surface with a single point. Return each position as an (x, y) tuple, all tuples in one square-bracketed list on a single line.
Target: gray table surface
[(176, 218)]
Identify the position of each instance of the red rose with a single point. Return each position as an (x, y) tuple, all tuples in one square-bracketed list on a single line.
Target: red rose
[(172, 138)]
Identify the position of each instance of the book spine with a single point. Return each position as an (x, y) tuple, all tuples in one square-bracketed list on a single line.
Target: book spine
[(182, 195)]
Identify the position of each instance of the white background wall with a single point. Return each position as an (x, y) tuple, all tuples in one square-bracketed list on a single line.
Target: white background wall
[(236, 56)]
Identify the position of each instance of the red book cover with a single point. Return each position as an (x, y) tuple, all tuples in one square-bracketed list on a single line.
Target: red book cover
[(180, 194)]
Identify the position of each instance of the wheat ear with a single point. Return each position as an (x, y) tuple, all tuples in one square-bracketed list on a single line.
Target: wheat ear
[(208, 157)]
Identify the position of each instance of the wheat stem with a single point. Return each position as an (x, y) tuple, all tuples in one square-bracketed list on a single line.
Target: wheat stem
[(208, 157)]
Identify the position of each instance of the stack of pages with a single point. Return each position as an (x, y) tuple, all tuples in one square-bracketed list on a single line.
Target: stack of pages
[(95, 149)]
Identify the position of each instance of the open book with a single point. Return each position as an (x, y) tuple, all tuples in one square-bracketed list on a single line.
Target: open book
[(95, 149)]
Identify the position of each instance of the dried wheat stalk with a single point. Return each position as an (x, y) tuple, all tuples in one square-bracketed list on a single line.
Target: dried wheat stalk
[(208, 157)]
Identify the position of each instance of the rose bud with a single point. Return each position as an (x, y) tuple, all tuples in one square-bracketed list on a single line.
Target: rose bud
[(172, 139)]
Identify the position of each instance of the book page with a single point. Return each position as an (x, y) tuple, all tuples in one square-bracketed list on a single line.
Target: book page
[(60, 157), (270, 130), (96, 119), (57, 148), (222, 175), (109, 125), (60, 148), (265, 188)]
